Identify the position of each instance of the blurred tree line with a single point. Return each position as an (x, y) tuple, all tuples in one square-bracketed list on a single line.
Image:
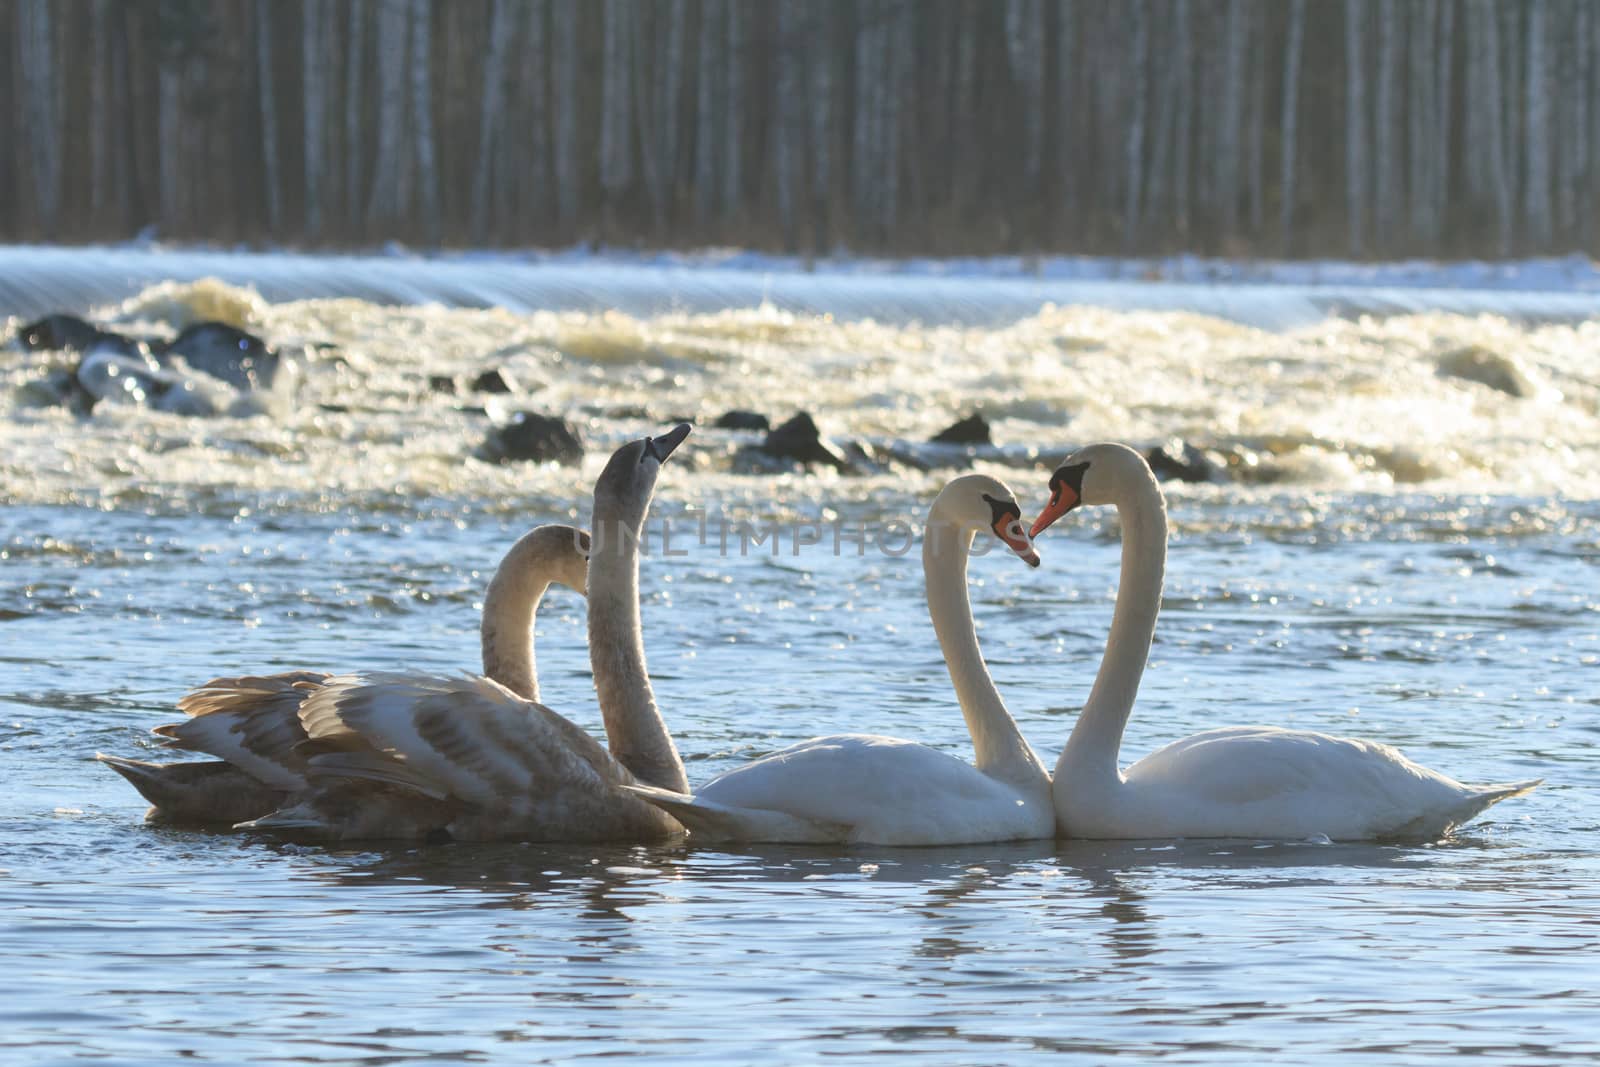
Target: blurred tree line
[(1267, 127)]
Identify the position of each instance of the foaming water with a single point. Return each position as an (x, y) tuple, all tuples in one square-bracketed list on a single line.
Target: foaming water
[(1435, 400), (1453, 613)]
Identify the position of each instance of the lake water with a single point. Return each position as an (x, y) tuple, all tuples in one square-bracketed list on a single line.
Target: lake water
[(1401, 553)]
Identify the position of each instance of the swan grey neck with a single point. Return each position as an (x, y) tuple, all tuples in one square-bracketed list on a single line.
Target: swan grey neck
[(546, 555), (634, 729), (1091, 752), (999, 748)]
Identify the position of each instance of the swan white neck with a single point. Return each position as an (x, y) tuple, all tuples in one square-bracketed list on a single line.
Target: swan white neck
[(999, 748), (1090, 758), (634, 729), (509, 607)]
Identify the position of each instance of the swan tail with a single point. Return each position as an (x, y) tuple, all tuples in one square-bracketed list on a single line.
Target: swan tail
[(710, 821), (1486, 796), (196, 791), (298, 819), (1498, 793)]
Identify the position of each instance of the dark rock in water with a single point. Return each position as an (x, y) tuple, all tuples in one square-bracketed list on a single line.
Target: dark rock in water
[(800, 440), (442, 383), (108, 373), (56, 332), (533, 438), (1500, 372), (59, 387), (972, 430), (227, 353), (742, 420), (1179, 459), (494, 381)]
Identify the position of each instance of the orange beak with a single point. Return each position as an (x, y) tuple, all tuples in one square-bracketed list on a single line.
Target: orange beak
[(1064, 500), (1011, 533)]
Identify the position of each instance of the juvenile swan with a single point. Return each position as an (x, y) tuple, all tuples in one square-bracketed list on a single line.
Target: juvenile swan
[(864, 788), (252, 724), (407, 755), (1238, 781)]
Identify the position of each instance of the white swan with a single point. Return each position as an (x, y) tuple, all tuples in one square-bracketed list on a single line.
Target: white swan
[(251, 723), (862, 788), (404, 755), (1240, 781)]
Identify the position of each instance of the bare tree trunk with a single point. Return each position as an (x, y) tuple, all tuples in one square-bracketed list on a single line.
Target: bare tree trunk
[(1355, 128), (538, 169), (422, 116), (315, 35), (821, 111), (1578, 129), (1419, 18), (708, 109), (1068, 135), (1226, 163), (564, 33), (1133, 152), (387, 200), (733, 115), (1290, 128), (1486, 25), (1025, 47), (491, 119), (786, 131), (1536, 187), (1442, 118), (1255, 151), (41, 86), (354, 143), (1184, 137), (616, 117), (1386, 125), (670, 103), (100, 120), (267, 94)]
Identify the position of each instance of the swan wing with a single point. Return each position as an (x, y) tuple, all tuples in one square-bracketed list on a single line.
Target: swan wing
[(887, 791), (251, 722), (466, 737), (1267, 781)]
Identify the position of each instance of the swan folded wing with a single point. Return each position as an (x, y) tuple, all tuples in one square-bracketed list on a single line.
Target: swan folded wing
[(251, 722), (466, 737), (1344, 787)]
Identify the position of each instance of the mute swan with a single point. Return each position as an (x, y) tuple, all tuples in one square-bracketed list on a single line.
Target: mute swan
[(252, 722), (867, 789), (1238, 781), (402, 755)]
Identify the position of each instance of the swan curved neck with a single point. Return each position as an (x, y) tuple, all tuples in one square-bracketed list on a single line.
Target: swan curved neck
[(1091, 752), (509, 607), (637, 736), (999, 748)]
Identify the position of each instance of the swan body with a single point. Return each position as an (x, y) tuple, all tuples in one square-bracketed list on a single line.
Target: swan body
[(1241, 781), (411, 756), (868, 789), (251, 723), (859, 789)]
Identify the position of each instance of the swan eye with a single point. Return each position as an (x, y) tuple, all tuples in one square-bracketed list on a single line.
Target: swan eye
[(1002, 512), (1064, 478)]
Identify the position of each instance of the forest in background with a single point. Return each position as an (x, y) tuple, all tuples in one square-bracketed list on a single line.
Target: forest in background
[(1359, 128)]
